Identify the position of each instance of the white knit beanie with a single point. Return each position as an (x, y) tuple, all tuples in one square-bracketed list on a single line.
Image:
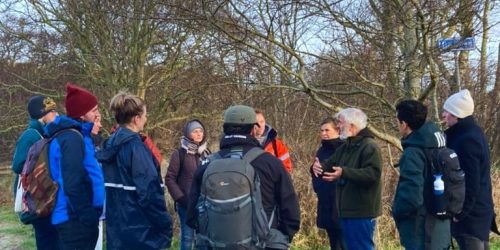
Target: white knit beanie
[(460, 104)]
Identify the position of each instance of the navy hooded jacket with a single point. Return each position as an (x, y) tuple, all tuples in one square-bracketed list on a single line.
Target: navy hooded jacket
[(136, 212)]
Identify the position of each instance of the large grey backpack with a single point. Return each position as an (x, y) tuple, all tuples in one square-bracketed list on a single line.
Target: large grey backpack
[(230, 212)]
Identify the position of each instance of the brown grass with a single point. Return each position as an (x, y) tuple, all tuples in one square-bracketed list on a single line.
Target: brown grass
[(386, 236), (309, 237)]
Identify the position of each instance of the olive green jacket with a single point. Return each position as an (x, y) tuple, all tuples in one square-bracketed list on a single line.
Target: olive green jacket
[(359, 187)]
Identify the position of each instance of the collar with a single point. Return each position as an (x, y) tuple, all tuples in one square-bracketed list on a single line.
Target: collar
[(228, 141)]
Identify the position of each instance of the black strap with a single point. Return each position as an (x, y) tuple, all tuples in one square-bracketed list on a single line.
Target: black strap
[(64, 130), (252, 154), (275, 147), (182, 156), (429, 158)]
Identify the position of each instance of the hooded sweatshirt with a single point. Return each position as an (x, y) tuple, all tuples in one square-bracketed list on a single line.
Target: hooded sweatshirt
[(409, 198)]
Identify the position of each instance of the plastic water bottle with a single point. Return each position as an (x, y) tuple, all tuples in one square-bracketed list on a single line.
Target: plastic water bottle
[(439, 203)]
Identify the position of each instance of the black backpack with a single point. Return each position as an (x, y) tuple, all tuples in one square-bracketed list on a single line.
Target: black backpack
[(444, 161), (230, 211)]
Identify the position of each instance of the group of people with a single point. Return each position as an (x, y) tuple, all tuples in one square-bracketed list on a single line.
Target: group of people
[(346, 177), (119, 175), (119, 178), (243, 128)]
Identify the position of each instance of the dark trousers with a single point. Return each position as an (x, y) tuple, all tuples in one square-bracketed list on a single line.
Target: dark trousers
[(335, 237), (46, 234), (75, 235), (469, 242)]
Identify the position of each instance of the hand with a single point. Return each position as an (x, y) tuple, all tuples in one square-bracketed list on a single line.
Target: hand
[(332, 176), (97, 125), (316, 167)]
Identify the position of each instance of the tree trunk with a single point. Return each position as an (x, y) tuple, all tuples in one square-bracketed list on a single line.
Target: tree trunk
[(466, 13), (413, 74)]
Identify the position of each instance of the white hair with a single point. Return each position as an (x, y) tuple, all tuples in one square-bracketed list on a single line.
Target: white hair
[(353, 116)]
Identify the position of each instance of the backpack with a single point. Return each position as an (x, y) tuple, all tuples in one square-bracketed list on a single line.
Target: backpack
[(40, 190), (230, 211), (444, 161)]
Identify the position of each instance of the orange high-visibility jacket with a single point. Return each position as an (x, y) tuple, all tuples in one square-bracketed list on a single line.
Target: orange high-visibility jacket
[(276, 147)]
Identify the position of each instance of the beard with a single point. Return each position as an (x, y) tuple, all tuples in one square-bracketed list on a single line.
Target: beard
[(344, 134)]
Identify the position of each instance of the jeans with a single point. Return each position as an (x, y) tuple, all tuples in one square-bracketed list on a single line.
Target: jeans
[(187, 233), (45, 234), (469, 242), (75, 235), (358, 233)]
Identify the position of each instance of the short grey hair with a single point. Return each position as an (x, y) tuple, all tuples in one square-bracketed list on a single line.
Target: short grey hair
[(353, 116)]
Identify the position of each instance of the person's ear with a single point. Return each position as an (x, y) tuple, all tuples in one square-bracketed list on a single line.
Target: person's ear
[(404, 124), (253, 132)]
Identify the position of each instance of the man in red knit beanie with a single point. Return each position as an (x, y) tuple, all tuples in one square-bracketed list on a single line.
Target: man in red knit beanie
[(72, 160), (80, 103)]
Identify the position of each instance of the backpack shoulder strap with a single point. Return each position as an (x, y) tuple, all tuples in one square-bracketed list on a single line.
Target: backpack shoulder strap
[(253, 153), (64, 130), (431, 155), (429, 160), (213, 156), (182, 156), (275, 147)]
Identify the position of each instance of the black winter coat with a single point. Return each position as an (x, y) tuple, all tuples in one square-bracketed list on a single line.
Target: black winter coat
[(276, 187), (471, 146), (136, 212), (326, 190)]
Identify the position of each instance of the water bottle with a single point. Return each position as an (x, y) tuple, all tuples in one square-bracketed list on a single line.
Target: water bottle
[(439, 202)]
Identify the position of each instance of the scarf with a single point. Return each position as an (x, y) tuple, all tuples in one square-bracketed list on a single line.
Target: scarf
[(192, 148)]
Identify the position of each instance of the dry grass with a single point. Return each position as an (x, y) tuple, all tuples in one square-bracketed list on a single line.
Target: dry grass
[(309, 237), (386, 236)]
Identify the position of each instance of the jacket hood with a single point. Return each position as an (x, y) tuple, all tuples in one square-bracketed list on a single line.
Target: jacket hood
[(269, 134), (112, 145), (62, 122), (427, 136), (185, 132), (228, 141), (35, 124)]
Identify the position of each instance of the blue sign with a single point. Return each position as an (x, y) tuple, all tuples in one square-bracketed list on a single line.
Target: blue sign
[(456, 43)]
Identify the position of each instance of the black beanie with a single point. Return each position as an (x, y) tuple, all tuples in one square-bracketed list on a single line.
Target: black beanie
[(38, 106)]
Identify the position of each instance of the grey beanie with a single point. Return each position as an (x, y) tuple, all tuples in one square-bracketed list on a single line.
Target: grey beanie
[(239, 114), (192, 125)]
